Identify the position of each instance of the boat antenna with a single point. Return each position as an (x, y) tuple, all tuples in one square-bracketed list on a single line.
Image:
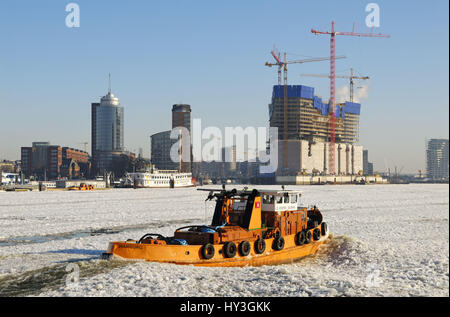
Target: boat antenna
[(205, 211)]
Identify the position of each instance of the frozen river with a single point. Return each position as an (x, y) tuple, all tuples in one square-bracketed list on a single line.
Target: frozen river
[(387, 240)]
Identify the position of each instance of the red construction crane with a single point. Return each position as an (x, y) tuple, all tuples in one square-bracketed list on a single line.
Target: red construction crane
[(279, 63), (333, 34), (351, 77), (283, 64)]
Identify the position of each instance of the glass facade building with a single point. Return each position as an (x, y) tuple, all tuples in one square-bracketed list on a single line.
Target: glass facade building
[(39, 160), (160, 144), (107, 132), (437, 159)]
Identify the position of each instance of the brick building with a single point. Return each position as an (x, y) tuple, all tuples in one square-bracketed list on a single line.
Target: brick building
[(45, 161)]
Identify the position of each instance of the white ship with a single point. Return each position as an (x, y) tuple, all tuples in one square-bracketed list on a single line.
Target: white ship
[(158, 179)]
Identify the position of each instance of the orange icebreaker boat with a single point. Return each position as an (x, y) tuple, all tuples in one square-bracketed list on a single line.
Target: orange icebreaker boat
[(249, 227)]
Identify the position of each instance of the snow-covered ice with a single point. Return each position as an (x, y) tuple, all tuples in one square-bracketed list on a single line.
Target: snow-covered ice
[(387, 240)]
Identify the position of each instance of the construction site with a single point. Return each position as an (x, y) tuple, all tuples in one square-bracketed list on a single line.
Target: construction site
[(306, 148), (318, 140)]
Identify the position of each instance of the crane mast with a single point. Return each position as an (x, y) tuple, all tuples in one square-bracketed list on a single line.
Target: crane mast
[(332, 105)]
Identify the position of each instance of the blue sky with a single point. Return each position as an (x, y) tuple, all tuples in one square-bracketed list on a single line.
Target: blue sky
[(211, 55)]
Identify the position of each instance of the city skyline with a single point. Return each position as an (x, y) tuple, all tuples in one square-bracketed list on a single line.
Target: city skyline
[(172, 53)]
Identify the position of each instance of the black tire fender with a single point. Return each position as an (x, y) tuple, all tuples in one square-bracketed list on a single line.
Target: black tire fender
[(207, 251), (316, 234), (260, 246), (244, 248), (308, 237), (324, 228), (229, 249), (300, 238), (278, 243)]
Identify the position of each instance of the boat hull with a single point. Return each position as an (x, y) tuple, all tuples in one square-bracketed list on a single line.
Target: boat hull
[(191, 254), (164, 186)]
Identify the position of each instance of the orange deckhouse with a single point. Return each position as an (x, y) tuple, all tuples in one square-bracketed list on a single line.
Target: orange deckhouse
[(249, 227)]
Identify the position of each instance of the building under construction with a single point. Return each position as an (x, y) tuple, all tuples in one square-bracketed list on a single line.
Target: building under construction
[(306, 136)]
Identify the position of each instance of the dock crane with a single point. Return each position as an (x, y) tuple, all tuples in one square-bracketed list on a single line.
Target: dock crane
[(283, 65), (351, 77)]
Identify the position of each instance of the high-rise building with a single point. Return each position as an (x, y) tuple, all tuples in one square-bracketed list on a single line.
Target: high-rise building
[(26, 158), (437, 159), (106, 132), (370, 168), (365, 161), (94, 107), (367, 166), (308, 116), (161, 143), (181, 117), (304, 143)]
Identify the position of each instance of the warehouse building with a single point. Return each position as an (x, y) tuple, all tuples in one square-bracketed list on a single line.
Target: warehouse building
[(45, 161)]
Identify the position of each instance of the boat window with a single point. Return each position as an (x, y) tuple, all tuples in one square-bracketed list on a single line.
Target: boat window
[(286, 199), (293, 199), (265, 199), (279, 199)]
